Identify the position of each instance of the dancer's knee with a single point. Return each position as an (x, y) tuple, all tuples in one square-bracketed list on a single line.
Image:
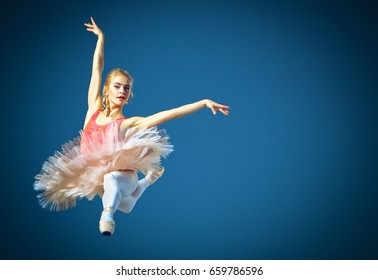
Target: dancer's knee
[(126, 210), (127, 204)]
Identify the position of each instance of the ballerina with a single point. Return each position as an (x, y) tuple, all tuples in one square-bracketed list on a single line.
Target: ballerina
[(111, 149)]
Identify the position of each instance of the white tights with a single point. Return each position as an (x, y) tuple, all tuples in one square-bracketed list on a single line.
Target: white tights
[(121, 191)]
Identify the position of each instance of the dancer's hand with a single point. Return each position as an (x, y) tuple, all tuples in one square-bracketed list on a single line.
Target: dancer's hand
[(216, 106), (94, 28)]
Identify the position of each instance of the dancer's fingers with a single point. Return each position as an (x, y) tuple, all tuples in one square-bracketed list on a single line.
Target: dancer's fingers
[(93, 22), (224, 111)]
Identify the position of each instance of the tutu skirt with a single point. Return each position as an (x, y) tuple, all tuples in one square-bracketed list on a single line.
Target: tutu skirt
[(78, 170)]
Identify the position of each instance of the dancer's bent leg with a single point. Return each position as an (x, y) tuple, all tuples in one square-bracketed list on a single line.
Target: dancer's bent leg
[(127, 203)]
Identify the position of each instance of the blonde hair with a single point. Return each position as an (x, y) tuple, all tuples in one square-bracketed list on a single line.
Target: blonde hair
[(112, 74)]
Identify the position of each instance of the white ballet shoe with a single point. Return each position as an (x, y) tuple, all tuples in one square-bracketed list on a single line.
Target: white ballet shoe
[(107, 227), (153, 175)]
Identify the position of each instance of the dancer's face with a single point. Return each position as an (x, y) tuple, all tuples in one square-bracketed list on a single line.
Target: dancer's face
[(119, 90)]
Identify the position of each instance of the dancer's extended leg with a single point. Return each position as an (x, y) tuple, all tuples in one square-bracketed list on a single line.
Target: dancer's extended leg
[(117, 184)]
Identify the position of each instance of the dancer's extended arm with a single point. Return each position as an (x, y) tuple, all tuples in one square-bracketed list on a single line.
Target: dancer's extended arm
[(94, 95), (165, 116)]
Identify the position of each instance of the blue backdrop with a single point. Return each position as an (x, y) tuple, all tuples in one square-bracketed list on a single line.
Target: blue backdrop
[(290, 174)]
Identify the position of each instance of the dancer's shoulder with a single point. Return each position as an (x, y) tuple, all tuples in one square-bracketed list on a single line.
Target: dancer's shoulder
[(91, 115), (131, 122)]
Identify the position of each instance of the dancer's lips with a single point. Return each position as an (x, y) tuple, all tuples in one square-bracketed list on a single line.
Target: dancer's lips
[(121, 97)]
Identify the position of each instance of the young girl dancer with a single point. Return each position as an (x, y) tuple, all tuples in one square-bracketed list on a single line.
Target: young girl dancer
[(111, 149)]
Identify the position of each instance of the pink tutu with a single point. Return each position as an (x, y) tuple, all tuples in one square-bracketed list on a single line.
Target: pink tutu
[(78, 170)]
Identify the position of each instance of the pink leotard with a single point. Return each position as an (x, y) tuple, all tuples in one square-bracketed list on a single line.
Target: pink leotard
[(94, 131)]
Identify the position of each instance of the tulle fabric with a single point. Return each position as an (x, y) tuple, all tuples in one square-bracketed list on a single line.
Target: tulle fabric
[(78, 170)]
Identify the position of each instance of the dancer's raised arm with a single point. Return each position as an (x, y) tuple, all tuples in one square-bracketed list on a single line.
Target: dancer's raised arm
[(94, 95), (165, 116)]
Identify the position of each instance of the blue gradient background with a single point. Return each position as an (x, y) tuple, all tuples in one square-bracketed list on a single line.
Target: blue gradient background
[(290, 174)]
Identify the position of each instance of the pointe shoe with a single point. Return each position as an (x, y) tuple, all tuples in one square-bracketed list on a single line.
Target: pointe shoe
[(107, 227), (153, 175)]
